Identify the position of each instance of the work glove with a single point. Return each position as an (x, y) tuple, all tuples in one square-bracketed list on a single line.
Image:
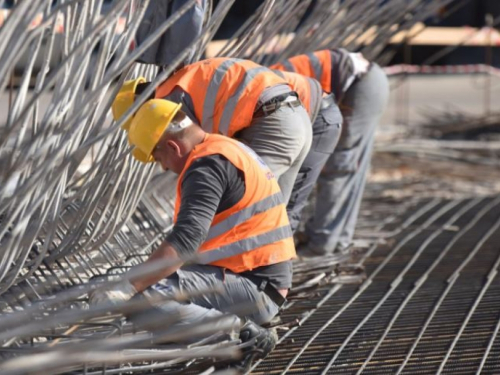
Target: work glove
[(115, 294)]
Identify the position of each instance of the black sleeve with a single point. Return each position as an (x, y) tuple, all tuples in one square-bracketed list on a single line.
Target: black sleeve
[(205, 184)]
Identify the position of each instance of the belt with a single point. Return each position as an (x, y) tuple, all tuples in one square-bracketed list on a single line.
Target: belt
[(277, 102), (266, 287)]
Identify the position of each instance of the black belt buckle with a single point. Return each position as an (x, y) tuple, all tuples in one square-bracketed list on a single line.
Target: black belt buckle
[(269, 108), (275, 103)]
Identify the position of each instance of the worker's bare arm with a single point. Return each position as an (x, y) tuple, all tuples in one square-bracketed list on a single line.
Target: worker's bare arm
[(165, 253)]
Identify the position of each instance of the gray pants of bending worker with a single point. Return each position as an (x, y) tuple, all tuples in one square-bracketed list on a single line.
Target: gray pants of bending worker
[(326, 133), (237, 298), (282, 139), (342, 181)]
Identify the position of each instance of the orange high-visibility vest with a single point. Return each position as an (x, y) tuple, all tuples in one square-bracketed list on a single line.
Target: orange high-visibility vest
[(308, 89), (254, 232), (224, 91), (317, 65)]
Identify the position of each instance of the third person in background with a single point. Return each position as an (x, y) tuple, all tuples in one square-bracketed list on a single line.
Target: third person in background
[(361, 90)]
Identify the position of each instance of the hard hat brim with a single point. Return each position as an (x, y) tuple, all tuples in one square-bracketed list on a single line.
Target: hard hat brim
[(141, 156)]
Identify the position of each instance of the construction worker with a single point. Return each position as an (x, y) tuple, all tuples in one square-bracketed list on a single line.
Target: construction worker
[(229, 212), (243, 100), (361, 89), (326, 125)]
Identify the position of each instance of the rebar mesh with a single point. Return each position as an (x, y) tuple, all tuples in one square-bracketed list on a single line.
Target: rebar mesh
[(427, 306)]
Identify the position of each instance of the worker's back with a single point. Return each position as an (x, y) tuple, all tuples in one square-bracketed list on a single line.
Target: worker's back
[(223, 91), (332, 68), (317, 65)]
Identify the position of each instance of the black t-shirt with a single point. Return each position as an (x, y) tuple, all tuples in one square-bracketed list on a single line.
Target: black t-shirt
[(212, 184)]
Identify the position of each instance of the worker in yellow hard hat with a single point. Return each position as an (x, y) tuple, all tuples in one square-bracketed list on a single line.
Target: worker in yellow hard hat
[(230, 216)]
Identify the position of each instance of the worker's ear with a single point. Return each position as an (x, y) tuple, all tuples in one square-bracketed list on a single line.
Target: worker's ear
[(174, 147)]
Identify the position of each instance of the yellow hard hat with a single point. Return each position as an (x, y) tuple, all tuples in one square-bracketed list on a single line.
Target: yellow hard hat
[(125, 99), (148, 125)]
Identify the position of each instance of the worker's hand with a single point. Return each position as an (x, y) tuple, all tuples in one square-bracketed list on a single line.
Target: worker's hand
[(115, 294)]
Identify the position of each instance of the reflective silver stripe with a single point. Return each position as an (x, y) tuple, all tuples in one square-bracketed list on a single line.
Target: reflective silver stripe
[(279, 72), (245, 214), (316, 64), (230, 106), (243, 246), (207, 122), (288, 66)]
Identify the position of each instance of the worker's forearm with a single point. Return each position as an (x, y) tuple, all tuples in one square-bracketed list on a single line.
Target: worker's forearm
[(165, 253)]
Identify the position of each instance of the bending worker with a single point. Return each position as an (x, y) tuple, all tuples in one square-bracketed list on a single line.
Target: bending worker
[(230, 213), (361, 89), (239, 99), (326, 126)]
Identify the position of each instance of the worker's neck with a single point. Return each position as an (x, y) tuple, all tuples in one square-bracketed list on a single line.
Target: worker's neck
[(198, 137), (189, 143)]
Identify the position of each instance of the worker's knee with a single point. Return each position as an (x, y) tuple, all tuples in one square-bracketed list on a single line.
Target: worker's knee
[(163, 293), (265, 313), (341, 163)]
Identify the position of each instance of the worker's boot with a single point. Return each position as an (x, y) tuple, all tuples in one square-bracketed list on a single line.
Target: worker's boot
[(257, 343)]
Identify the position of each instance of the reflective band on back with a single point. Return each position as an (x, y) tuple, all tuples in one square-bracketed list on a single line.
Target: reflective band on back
[(207, 122), (316, 64), (241, 216), (246, 245), (232, 102), (288, 66)]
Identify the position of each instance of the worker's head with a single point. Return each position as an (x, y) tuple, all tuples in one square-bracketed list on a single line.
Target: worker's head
[(161, 132)]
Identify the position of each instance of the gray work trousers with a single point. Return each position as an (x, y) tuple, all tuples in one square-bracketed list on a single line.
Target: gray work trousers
[(237, 298), (326, 133), (342, 181), (282, 139)]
